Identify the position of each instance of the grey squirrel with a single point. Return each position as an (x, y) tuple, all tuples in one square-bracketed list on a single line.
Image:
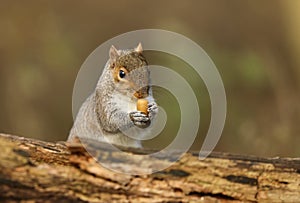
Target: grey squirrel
[(109, 114)]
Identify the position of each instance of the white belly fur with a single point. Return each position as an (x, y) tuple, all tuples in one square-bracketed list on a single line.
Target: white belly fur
[(124, 102)]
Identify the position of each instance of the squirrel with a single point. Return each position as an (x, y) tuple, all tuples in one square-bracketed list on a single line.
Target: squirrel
[(109, 114)]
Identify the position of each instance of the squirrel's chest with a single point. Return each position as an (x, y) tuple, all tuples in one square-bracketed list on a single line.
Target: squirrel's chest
[(123, 102)]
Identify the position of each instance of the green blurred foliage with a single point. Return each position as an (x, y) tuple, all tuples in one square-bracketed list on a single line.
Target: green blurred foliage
[(254, 44)]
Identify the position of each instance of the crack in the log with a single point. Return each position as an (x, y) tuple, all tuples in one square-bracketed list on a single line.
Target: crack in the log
[(174, 172), (22, 153), (35, 194), (40, 197), (283, 182), (178, 173), (289, 163), (201, 193), (51, 148), (12, 183), (242, 179), (243, 164), (86, 188)]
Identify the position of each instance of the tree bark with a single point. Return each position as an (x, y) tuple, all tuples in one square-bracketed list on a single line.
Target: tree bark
[(38, 171)]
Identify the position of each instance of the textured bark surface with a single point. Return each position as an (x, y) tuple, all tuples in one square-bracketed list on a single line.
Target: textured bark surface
[(37, 171)]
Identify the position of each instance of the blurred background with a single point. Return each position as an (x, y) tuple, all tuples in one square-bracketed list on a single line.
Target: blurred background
[(254, 44)]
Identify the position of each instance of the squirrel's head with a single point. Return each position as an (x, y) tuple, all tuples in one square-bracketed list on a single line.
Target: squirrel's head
[(130, 72)]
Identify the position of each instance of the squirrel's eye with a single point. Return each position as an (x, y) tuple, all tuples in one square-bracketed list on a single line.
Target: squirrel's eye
[(122, 74)]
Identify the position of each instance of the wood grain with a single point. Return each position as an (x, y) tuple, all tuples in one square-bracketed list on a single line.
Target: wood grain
[(38, 171)]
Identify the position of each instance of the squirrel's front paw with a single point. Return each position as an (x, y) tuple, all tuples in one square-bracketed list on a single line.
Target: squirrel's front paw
[(152, 109), (139, 119)]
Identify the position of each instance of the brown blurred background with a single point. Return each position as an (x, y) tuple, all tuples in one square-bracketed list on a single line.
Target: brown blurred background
[(254, 44)]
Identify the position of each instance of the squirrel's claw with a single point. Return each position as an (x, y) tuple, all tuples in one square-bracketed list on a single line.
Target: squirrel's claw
[(152, 109), (139, 119)]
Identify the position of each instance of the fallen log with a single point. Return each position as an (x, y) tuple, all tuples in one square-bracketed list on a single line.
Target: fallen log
[(37, 171)]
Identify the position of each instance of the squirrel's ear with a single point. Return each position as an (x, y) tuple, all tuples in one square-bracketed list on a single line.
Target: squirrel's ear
[(113, 53), (139, 48)]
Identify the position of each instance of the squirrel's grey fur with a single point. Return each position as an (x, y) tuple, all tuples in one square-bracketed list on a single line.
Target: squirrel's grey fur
[(109, 114)]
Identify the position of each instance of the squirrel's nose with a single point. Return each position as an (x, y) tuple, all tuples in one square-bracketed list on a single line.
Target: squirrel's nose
[(141, 93), (138, 95)]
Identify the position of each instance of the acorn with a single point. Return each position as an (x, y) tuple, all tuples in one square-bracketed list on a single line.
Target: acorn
[(142, 106)]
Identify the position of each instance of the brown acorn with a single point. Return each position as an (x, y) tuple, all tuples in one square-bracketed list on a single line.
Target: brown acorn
[(142, 106)]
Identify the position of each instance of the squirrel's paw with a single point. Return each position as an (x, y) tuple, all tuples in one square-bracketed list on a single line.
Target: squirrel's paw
[(152, 109), (139, 119)]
